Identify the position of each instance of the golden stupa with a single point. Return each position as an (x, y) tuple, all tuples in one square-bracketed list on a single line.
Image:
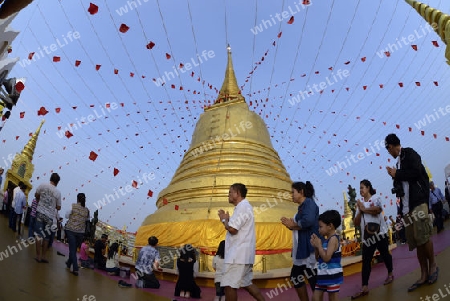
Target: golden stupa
[(22, 167), (438, 20), (348, 227), (230, 144)]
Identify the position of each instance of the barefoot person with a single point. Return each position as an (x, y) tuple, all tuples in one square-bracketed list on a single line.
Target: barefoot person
[(240, 245), (374, 231), (411, 184)]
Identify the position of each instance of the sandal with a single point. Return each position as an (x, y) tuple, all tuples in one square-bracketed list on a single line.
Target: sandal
[(433, 278), (415, 286), (389, 280), (360, 294)]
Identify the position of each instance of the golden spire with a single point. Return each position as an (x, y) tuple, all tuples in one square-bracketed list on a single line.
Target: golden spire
[(230, 89), (29, 148), (437, 19), (347, 211)]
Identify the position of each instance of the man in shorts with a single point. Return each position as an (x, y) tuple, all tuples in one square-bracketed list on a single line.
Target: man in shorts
[(240, 245), (411, 184), (49, 199)]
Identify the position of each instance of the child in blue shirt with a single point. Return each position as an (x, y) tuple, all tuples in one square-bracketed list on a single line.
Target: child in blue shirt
[(328, 253)]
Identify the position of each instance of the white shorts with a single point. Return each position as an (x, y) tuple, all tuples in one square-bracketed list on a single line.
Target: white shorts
[(237, 275)]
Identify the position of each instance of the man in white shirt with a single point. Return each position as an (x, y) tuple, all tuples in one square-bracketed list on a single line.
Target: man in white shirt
[(12, 212), (240, 245), (20, 203)]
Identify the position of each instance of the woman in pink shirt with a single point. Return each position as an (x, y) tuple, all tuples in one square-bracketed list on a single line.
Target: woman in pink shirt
[(85, 260)]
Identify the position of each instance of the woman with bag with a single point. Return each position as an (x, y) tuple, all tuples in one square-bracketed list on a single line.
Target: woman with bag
[(75, 229), (374, 235)]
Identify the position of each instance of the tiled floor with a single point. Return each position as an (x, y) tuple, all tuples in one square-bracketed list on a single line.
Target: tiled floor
[(22, 278)]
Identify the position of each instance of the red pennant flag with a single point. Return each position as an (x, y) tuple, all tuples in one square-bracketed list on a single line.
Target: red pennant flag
[(291, 20), (123, 28), (414, 47), (22, 114), (363, 59), (150, 45), (401, 85), (108, 105), (435, 44), (410, 129), (68, 134), (150, 193), (19, 86), (347, 88), (131, 74), (347, 62), (134, 184), (116, 71), (115, 172), (381, 86), (387, 53), (172, 86), (56, 59), (306, 2), (97, 67), (93, 9), (447, 139), (418, 84), (92, 156), (435, 136), (364, 87), (165, 202), (177, 207), (77, 63), (30, 56), (279, 35), (168, 56), (436, 83), (397, 126), (423, 133), (57, 110), (42, 111)]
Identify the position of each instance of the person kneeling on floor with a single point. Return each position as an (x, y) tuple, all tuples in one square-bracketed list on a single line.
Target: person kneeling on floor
[(148, 260)]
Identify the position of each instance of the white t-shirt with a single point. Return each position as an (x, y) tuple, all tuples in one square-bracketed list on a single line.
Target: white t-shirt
[(113, 262), (217, 263), (240, 248), (50, 197), (372, 218)]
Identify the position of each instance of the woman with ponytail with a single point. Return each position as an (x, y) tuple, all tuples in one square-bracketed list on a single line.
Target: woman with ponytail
[(303, 225), (374, 235)]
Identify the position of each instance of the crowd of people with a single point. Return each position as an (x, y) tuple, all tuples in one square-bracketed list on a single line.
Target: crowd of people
[(316, 251)]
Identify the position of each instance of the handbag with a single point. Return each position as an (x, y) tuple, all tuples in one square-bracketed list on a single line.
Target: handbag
[(372, 228)]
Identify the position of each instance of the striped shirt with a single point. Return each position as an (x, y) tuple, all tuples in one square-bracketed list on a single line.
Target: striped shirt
[(330, 273)]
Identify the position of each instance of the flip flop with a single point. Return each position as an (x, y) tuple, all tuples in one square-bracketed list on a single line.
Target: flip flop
[(37, 260), (434, 277), (360, 294), (415, 286)]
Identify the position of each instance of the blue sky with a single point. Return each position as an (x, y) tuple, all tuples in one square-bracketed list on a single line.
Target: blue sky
[(143, 129)]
